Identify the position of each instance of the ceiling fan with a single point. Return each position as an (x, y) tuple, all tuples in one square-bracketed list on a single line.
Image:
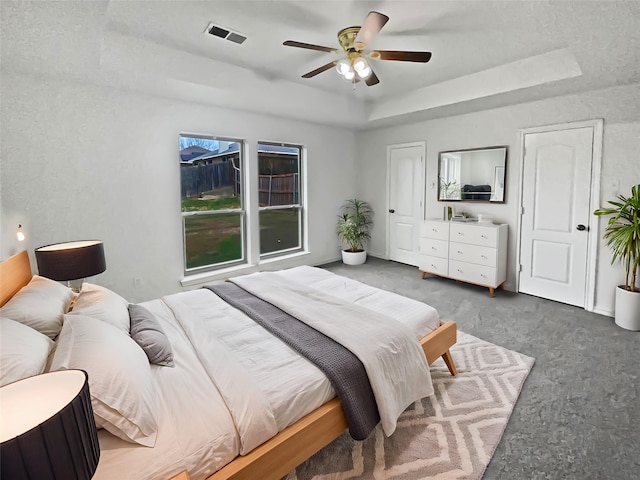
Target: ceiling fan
[(354, 40)]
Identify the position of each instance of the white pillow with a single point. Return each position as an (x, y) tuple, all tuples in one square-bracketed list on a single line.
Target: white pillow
[(23, 351), (101, 303), (120, 381), (40, 304)]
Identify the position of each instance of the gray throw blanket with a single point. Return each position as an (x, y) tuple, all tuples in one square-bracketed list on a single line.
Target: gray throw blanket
[(345, 371)]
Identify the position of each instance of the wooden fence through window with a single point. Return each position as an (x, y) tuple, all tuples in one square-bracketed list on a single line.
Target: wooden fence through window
[(278, 190)]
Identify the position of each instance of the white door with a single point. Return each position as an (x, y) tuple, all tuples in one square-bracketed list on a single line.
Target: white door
[(556, 215), (406, 182)]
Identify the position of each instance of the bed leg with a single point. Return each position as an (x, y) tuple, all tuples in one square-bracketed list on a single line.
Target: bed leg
[(424, 274), (492, 292), (448, 359)]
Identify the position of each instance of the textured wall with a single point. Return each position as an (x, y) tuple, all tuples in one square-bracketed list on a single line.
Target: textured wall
[(82, 161), (619, 107)]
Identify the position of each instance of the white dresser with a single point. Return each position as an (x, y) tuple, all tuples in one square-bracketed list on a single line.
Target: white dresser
[(469, 252)]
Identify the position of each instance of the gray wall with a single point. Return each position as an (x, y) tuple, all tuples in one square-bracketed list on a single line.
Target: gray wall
[(83, 161), (620, 109)]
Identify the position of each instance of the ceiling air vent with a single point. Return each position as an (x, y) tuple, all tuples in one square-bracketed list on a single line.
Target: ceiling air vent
[(227, 34)]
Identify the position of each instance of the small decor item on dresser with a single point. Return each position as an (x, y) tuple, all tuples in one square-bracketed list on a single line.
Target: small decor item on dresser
[(354, 225), (463, 217), (484, 218)]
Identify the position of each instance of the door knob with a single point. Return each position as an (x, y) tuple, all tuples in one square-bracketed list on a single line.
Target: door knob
[(581, 227), (391, 210)]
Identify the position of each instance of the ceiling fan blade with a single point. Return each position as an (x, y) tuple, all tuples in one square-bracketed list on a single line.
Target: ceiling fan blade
[(401, 56), (321, 69), (372, 79), (370, 28), (308, 46)]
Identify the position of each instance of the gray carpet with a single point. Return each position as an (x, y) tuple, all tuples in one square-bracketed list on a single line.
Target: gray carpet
[(578, 416)]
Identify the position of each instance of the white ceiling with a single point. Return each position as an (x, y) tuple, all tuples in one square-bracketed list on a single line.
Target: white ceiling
[(485, 53)]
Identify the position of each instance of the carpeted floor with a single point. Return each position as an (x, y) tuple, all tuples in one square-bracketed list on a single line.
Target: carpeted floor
[(449, 435), (578, 416)]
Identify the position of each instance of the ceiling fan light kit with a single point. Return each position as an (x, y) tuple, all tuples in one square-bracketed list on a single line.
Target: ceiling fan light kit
[(349, 69), (354, 40)]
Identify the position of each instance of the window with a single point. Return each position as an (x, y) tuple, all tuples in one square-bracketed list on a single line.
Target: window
[(280, 199), (212, 191), (450, 177)]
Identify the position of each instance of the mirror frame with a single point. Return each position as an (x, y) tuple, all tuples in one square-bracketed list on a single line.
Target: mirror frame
[(465, 150)]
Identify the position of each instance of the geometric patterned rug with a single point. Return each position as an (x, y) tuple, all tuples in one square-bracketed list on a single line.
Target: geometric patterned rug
[(449, 435)]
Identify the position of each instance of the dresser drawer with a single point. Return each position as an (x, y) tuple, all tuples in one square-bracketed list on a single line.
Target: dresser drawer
[(435, 230), (473, 254), (474, 234), (472, 273), (435, 248), (439, 266)]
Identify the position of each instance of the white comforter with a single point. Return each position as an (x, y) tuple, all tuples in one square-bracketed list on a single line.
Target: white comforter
[(393, 358), (197, 432)]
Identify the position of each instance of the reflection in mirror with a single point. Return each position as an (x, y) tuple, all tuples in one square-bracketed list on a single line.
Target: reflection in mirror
[(474, 175)]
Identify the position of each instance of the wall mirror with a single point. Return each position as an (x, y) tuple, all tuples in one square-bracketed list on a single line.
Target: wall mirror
[(472, 175)]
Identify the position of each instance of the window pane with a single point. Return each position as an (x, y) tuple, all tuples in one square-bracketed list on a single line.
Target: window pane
[(279, 230), (210, 174), (211, 181), (279, 175), (211, 239)]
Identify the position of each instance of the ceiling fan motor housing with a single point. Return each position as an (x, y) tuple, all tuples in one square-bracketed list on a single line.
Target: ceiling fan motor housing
[(347, 37)]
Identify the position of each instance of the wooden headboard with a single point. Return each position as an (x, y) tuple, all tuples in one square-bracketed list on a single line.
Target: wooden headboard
[(15, 273)]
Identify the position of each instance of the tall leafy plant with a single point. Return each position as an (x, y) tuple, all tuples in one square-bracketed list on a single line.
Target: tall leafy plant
[(623, 234), (354, 224)]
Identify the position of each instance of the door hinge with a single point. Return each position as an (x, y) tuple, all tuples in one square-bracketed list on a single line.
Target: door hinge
[(521, 210), (520, 268)]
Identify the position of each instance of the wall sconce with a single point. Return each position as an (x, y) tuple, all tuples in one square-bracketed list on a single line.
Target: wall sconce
[(20, 234)]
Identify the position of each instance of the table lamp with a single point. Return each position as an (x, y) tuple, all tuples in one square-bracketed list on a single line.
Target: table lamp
[(47, 430), (71, 261)]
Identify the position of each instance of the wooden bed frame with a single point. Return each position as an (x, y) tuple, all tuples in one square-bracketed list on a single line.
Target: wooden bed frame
[(278, 456)]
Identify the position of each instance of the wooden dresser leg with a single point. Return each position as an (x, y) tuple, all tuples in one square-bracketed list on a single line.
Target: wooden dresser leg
[(492, 292), (448, 359), (424, 274)]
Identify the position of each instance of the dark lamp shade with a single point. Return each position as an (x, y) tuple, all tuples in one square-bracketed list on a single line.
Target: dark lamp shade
[(47, 430), (71, 260)]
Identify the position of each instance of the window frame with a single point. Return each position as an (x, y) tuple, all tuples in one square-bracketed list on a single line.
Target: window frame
[(242, 211), (300, 207)]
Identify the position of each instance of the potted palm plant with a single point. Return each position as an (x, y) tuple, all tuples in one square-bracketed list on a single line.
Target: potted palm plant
[(623, 237), (354, 224)]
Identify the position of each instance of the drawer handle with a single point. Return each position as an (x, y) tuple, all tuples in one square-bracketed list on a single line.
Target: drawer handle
[(459, 252), (433, 248), (483, 275), (483, 236), (460, 233), (434, 229), (483, 256), (459, 270)]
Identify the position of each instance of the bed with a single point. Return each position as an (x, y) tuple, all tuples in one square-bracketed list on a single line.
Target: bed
[(203, 440)]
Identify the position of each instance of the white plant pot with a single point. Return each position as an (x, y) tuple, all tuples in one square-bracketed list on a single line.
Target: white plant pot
[(627, 309), (354, 258)]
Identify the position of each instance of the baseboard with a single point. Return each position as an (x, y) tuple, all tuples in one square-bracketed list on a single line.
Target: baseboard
[(603, 311)]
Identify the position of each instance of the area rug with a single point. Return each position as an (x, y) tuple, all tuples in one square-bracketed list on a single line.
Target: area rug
[(450, 435)]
